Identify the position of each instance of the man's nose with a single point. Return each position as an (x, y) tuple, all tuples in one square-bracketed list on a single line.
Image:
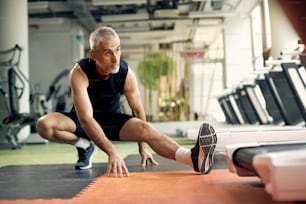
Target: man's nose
[(115, 57)]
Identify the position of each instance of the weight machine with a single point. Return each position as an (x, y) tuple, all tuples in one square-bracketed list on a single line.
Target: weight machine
[(12, 85)]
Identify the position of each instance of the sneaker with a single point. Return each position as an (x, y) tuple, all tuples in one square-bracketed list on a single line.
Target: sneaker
[(203, 152), (85, 157)]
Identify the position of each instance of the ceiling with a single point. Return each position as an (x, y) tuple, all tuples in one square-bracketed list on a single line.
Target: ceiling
[(145, 22)]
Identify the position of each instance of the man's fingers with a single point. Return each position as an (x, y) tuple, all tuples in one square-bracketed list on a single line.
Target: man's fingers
[(126, 171), (109, 169), (144, 162), (117, 170), (120, 171), (153, 162)]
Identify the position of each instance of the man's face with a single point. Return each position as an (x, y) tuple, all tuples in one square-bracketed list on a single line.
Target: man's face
[(107, 56)]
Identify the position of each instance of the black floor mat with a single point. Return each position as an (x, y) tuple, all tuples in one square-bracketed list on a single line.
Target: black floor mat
[(62, 181), (45, 181)]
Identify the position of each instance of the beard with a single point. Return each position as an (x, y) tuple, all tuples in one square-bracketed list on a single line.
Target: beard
[(110, 69), (114, 68)]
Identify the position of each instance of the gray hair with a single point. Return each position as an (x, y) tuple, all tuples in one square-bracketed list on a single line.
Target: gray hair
[(97, 35)]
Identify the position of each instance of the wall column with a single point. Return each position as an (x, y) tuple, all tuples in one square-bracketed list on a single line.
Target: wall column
[(14, 30)]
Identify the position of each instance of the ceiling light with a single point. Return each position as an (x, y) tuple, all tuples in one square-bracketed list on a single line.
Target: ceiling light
[(210, 14), (116, 2), (46, 21), (221, 25), (125, 17), (133, 29), (38, 7), (166, 13)]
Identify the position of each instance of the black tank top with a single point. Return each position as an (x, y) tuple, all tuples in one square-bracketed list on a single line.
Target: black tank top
[(104, 94)]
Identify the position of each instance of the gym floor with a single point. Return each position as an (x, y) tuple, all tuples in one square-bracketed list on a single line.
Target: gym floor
[(54, 153), (43, 173)]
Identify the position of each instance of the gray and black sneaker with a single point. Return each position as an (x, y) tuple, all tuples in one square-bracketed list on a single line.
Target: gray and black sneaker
[(203, 152), (85, 157)]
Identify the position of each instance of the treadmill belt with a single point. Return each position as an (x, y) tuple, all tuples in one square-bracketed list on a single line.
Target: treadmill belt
[(243, 157)]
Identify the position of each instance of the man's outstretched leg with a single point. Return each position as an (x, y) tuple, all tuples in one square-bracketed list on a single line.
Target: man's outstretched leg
[(200, 157)]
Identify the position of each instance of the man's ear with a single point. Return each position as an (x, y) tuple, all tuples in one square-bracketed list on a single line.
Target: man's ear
[(92, 54)]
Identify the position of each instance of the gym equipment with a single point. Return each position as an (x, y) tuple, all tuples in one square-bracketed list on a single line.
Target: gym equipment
[(297, 84), (241, 115), (285, 98), (59, 92), (247, 105), (280, 164), (283, 91), (228, 109), (259, 110), (271, 103), (242, 106), (11, 89)]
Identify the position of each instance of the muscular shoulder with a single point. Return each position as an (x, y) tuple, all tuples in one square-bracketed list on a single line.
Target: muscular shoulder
[(77, 76)]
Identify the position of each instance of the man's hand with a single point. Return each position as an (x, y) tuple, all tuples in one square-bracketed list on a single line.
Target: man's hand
[(116, 166), (146, 156)]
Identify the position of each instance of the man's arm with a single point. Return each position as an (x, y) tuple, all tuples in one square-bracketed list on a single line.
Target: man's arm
[(132, 95), (79, 83)]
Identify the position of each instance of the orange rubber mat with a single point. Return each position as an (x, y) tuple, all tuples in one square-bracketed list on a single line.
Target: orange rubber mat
[(220, 186)]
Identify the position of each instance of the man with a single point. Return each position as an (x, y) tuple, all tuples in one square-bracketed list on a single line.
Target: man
[(97, 84)]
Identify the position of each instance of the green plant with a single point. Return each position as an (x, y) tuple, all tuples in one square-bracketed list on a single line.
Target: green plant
[(152, 67)]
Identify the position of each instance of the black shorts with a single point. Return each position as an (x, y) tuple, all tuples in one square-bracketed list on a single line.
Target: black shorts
[(111, 124)]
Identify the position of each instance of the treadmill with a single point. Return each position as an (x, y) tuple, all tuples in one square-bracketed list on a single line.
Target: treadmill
[(281, 165)]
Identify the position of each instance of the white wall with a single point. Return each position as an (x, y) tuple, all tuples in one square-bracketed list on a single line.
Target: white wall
[(206, 83), (53, 48), (238, 50), (207, 78)]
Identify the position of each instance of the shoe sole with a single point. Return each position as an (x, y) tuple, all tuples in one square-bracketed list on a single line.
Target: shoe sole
[(90, 162), (207, 142)]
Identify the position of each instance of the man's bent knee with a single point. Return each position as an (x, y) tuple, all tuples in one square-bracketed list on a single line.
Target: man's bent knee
[(43, 128)]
